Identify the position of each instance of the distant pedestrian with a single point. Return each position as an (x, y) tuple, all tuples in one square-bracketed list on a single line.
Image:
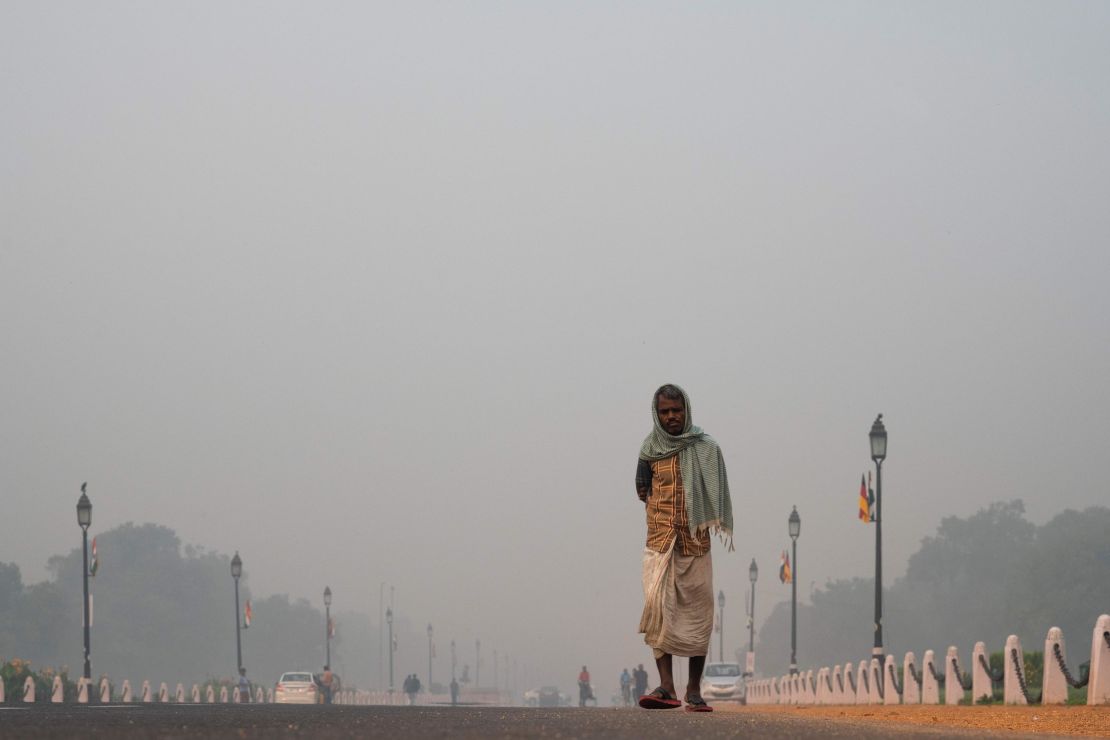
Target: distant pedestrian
[(411, 683), (585, 691), (639, 680), (244, 687), (626, 688), (327, 681), (454, 691)]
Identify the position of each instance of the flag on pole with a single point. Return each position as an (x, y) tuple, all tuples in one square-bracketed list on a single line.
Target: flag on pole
[(784, 569), (864, 504), (247, 614), (331, 627), (870, 496), (94, 564)]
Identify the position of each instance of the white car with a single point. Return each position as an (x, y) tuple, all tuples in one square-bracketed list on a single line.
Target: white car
[(723, 682), (296, 687)]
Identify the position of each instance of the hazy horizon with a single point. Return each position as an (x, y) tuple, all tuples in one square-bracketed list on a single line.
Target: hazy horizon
[(380, 293)]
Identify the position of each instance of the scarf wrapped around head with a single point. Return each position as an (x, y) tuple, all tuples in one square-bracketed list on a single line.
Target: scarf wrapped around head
[(708, 503)]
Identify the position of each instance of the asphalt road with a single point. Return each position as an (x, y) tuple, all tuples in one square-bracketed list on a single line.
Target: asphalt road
[(285, 721)]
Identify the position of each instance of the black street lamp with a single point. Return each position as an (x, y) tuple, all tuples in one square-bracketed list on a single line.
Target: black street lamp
[(236, 571), (429, 656), (878, 454), (84, 520), (721, 626), (454, 660), (477, 663), (795, 523), (753, 576), (389, 621), (327, 626)]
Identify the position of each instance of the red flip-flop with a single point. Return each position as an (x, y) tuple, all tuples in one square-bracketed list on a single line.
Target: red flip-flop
[(659, 699), (697, 705)]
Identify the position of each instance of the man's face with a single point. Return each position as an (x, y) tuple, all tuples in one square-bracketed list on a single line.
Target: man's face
[(672, 414)]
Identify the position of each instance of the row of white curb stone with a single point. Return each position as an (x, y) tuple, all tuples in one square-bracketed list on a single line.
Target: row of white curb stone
[(226, 696), (836, 686)]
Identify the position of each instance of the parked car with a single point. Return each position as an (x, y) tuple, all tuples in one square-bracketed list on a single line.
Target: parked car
[(296, 687), (550, 697), (723, 682)]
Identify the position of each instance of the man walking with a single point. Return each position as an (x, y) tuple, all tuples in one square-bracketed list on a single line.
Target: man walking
[(681, 478), (639, 680)]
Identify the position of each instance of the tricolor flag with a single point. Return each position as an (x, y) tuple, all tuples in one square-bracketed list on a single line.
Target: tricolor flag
[(784, 570), (331, 627), (870, 496), (864, 504), (95, 564), (247, 614)]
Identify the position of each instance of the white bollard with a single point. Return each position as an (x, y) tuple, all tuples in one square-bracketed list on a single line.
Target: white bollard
[(163, 693), (1098, 687), (808, 692), (930, 690), (146, 697), (210, 695), (911, 693), (1054, 689), (773, 691), (863, 692), (840, 686), (260, 695), (223, 695), (105, 690), (269, 696), (953, 689), (822, 696), (57, 691), (981, 685), (875, 677), (126, 695), (29, 690), (235, 695), (195, 698), (1013, 675), (83, 687), (179, 693), (890, 691)]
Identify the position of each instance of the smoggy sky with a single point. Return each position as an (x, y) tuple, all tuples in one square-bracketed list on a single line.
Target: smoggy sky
[(379, 292)]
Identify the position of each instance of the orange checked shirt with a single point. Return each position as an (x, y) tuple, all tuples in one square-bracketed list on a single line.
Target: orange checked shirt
[(666, 512)]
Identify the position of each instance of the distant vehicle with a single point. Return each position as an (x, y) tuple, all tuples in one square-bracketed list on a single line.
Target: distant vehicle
[(296, 687), (723, 682), (549, 696)]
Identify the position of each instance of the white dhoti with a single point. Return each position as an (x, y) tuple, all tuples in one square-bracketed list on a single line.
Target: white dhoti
[(678, 603)]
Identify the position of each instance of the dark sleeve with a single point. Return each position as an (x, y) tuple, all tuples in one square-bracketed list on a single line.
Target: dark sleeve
[(643, 476)]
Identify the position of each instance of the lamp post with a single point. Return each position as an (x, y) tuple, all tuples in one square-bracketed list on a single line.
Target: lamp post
[(84, 519), (878, 454), (795, 527), (454, 660), (753, 576), (721, 626), (327, 626), (477, 663), (236, 571), (389, 621), (429, 656)]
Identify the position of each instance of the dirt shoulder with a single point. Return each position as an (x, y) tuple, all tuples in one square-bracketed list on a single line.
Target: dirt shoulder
[(1053, 720)]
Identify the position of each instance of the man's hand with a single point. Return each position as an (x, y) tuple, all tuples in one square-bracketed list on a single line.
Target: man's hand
[(643, 493)]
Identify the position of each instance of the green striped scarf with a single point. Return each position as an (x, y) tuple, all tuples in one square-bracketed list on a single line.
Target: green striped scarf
[(708, 503)]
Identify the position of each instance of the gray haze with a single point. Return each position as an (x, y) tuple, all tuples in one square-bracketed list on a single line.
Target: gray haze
[(380, 292)]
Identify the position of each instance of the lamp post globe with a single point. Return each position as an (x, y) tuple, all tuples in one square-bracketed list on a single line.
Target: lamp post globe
[(794, 524), (236, 566), (327, 596), (753, 572), (84, 520), (878, 439)]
